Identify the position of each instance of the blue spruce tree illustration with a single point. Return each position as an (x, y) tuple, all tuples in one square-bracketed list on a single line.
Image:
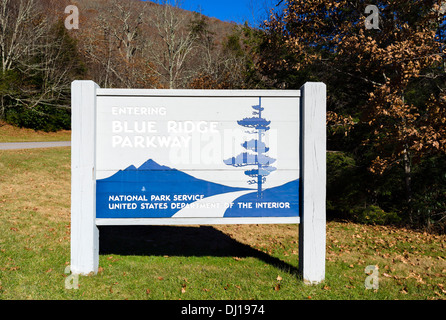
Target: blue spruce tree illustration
[(255, 154)]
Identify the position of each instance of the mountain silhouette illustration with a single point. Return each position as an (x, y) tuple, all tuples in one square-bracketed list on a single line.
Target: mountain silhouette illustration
[(157, 184), (150, 165), (159, 178)]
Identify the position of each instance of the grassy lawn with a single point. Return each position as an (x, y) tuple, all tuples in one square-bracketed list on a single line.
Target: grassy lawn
[(10, 133), (192, 262)]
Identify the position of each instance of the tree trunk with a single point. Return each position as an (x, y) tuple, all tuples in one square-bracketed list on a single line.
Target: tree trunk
[(408, 180), (2, 107)]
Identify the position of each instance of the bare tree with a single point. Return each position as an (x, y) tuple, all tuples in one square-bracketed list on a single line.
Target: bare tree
[(19, 31), (173, 45), (220, 65), (127, 29), (38, 58), (113, 41)]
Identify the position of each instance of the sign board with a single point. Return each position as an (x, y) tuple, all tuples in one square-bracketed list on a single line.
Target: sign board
[(204, 156), (172, 157)]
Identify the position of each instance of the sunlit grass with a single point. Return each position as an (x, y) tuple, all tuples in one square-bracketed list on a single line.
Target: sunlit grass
[(10, 133), (192, 262)]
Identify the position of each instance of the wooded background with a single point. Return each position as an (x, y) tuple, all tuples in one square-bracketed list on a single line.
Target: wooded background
[(386, 116)]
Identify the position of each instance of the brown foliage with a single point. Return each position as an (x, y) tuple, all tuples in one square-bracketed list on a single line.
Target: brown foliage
[(387, 61), (130, 43)]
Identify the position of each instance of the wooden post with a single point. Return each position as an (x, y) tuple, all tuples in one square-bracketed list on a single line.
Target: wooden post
[(313, 183), (84, 233)]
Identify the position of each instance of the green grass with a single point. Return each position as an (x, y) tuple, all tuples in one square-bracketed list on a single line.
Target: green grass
[(191, 262), (9, 133)]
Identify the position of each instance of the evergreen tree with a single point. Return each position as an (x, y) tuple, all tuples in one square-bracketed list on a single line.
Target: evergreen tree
[(256, 149)]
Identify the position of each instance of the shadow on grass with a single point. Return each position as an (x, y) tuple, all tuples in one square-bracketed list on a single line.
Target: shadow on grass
[(180, 241)]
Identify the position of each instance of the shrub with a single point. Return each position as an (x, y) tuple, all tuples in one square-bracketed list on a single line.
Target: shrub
[(373, 214), (41, 117)]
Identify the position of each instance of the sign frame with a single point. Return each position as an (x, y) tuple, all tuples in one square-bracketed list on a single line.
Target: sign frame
[(312, 216)]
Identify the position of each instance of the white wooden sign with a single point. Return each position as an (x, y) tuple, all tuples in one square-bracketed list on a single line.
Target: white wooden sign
[(172, 157)]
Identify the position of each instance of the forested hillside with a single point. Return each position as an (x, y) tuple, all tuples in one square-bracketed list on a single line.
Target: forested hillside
[(386, 116), (119, 43)]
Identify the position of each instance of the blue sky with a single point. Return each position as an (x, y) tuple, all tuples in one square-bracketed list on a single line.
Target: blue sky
[(239, 11), (232, 10)]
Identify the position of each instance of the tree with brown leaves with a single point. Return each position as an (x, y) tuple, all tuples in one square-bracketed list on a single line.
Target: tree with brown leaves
[(387, 82)]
